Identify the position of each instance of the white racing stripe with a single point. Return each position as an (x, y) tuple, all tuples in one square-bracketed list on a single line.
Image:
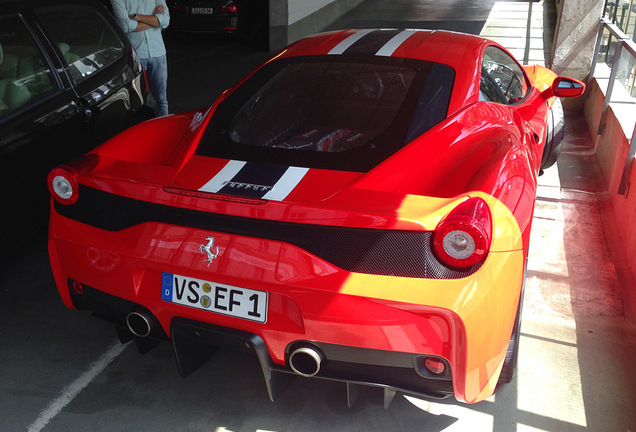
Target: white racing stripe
[(226, 174), (71, 391), (286, 184), (346, 44), (237, 178), (390, 47)]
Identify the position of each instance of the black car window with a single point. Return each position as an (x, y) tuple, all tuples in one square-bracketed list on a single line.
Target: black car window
[(502, 79), (24, 73), (333, 112), (83, 37)]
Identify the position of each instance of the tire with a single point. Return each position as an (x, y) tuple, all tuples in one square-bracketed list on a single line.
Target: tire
[(555, 132), (509, 369)]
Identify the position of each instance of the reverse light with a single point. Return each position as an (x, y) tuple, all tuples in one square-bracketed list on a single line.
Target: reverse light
[(434, 365), (462, 239), (78, 287)]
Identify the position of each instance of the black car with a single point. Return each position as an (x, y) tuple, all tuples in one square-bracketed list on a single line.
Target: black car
[(69, 79), (204, 16), (247, 19)]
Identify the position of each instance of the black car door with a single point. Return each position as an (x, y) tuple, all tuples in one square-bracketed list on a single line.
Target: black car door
[(41, 124), (98, 61)]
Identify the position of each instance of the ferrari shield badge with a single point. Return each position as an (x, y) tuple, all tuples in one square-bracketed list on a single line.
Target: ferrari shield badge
[(207, 249)]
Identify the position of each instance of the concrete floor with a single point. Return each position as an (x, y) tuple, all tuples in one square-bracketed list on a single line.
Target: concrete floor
[(64, 371)]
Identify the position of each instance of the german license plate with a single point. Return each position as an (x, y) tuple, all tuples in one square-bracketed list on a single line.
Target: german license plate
[(202, 11), (215, 297)]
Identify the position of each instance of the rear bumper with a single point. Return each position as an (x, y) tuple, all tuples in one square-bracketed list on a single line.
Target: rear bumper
[(373, 330), (194, 342), (391, 371)]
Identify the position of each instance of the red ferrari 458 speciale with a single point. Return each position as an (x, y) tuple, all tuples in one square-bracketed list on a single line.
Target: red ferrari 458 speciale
[(357, 209)]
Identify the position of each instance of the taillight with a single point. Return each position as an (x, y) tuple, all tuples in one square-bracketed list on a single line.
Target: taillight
[(462, 239), (63, 181), (63, 185), (229, 7)]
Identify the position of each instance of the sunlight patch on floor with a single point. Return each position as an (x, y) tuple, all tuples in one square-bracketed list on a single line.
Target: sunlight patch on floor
[(467, 418), (549, 378)]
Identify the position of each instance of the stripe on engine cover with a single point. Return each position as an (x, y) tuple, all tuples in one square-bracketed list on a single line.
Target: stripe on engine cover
[(389, 48), (346, 44), (255, 180), (372, 42)]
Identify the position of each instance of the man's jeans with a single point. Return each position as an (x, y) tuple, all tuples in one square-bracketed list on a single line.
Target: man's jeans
[(157, 72)]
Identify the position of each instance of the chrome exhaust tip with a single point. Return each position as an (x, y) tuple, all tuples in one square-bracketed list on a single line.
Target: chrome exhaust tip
[(306, 361), (140, 323)]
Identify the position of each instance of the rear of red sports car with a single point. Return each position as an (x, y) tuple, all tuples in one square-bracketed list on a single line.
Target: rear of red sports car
[(351, 211)]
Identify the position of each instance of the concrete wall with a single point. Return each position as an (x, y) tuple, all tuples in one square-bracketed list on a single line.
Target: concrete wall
[(574, 39), (575, 36), (291, 20), (619, 210)]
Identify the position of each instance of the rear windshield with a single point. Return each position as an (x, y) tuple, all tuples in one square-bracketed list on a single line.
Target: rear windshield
[(332, 112)]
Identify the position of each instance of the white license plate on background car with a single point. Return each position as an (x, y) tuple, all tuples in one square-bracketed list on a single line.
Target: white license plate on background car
[(215, 297), (204, 11)]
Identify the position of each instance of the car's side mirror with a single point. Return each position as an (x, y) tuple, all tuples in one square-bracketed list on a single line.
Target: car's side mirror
[(564, 87)]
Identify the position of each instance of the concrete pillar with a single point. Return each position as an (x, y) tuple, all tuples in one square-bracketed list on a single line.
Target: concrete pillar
[(278, 22), (575, 37), (290, 20)]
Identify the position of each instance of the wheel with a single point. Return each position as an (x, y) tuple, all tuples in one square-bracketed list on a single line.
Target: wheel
[(555, 132)]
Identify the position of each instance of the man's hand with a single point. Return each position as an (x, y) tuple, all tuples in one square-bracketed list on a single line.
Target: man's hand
[(147, 21)]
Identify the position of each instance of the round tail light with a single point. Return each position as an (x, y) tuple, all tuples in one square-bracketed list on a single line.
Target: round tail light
[(63, 181), (63, 185), (463, 237)]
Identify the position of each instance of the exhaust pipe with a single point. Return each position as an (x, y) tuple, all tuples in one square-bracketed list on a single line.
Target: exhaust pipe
[(140, 323), (306, 361)]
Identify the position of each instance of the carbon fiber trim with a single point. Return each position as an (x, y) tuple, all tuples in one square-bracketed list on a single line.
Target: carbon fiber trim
[(370, 251), (399, 370), (397, 377), (387, 374)]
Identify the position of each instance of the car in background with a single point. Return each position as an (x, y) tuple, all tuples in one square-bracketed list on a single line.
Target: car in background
[(358, 209), (241, 18), (204, 16), (69, 79)]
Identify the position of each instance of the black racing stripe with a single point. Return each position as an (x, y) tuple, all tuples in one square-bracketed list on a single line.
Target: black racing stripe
[(371, 43), (254, 180)]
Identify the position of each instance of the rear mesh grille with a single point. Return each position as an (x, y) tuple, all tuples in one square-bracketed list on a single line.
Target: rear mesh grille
[(370, 251)]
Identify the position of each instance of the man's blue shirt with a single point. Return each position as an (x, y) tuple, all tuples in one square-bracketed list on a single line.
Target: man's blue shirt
[(148, 43)]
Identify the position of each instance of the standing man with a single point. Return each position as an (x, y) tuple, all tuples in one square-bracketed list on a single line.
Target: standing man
[(143, 20)]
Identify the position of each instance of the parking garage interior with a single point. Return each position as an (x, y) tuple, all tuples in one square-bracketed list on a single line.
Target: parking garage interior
[(64, 371)]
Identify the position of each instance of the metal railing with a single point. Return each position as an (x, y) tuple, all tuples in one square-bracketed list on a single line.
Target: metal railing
[(616, 49), (623, 14)]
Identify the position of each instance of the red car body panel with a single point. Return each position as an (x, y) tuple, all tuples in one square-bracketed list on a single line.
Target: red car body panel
[(486, 150)]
